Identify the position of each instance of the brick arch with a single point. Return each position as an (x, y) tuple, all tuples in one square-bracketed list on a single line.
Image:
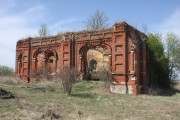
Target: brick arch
[(108, 52), (88, 46), (37, 52), (83, 53), (51, 51), (39, 62), (107, 49), (51, 60)]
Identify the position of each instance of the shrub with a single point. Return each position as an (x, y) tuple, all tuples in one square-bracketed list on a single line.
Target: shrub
[(158, 71), (40, 74), (105, 75), (6, 71), (68, 76), (37, 74)]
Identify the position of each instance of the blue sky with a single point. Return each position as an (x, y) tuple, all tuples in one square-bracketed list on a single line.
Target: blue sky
[(22, 18)]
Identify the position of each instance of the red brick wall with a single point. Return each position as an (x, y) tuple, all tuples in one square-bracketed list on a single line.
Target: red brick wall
[(128, 65)]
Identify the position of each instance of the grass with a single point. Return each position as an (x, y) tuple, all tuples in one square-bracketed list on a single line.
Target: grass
[(89, 101)]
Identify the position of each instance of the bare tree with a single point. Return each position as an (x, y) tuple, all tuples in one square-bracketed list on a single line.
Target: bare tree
[(43, 30), (145, 28), (173, 54), (97, 21), (68, 76)]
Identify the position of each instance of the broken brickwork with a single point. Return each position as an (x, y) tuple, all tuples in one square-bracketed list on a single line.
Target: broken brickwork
[(123, 48)]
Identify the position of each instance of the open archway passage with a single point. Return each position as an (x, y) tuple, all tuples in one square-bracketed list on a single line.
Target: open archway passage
[(92, 65), (95, 59)]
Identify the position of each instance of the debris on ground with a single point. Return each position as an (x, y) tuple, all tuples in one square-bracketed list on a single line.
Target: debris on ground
[(5, 94)]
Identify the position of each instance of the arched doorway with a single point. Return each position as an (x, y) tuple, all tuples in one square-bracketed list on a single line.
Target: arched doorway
[(92, 65), (93, 57)]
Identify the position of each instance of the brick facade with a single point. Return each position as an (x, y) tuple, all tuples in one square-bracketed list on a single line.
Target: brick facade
[(124, 47)]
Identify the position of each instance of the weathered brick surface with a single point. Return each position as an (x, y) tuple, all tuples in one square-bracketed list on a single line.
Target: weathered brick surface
[(125, 45)]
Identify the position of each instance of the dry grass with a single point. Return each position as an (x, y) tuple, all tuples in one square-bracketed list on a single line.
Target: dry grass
[(177, 86), (9, 80), (87, 102)]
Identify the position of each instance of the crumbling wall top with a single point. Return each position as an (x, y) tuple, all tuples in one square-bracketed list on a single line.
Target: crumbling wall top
[(68, 35)]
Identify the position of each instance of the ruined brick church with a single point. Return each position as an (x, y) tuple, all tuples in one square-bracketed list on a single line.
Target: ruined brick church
[(122, 47)]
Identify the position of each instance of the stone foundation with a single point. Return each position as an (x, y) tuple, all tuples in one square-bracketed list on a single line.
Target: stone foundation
[(121, 89)]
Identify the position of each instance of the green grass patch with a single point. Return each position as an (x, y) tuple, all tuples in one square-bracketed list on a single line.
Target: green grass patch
[(87, 101)]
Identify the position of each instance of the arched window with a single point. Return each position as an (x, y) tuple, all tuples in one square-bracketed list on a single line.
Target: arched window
[(92, 65)]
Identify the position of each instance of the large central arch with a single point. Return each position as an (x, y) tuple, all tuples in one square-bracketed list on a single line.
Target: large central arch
[(93, 57)]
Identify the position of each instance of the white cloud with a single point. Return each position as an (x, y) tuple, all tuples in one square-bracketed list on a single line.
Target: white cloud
[(14, 26), (59, 26), (22, 18), (171, 24), (66, 21)]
